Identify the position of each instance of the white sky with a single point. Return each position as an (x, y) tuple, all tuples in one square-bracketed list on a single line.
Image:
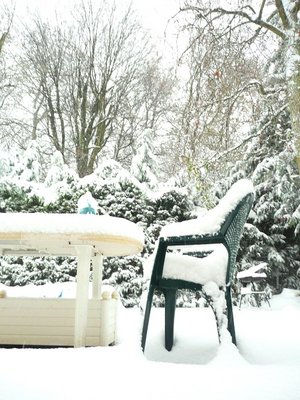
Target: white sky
[(155, 13)]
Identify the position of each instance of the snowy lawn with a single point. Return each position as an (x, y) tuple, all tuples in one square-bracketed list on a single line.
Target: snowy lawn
[(265, 366)]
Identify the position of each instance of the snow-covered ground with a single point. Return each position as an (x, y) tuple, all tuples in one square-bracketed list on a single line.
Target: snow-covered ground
[(265, 366)]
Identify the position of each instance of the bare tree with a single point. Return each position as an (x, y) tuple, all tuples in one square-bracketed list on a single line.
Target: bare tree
[(277, 17), (6, 79), (6, 18), (79, 76), (157, 88), (218, 102), (43, 66), (147, 106)]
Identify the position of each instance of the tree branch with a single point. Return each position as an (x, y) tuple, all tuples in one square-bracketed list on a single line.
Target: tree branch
[(255, 133), (262, 90), (261, 9), (282, 14), (238, 13), (295, 10)]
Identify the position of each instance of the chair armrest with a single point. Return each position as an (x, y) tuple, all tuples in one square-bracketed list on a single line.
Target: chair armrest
[(181, 242), (192, 240)]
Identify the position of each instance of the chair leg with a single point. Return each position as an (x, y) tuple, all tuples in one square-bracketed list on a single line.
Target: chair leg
[(230, 317), (212, 304), (147, 316), (170, 307)]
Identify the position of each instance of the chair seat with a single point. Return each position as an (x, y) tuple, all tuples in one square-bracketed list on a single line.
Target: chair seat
[(213, 267)]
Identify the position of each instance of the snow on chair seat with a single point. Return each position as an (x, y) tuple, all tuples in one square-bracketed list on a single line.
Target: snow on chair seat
[(199, 270), (222, 227)]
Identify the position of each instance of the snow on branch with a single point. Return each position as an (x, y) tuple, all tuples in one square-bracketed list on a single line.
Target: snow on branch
[(252, 84), (253, 133), (220, 11)]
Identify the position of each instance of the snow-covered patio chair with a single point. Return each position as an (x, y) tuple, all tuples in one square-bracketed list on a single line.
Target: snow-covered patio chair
[(176, 265)]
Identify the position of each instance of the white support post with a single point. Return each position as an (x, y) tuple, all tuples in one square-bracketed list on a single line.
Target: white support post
[(97, 262), (82, 294)]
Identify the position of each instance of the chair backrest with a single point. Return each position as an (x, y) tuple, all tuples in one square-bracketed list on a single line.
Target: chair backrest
[(231, 214), (232, 230)]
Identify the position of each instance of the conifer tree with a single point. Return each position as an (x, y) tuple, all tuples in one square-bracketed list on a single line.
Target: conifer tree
[(272, 234), (144, 163)]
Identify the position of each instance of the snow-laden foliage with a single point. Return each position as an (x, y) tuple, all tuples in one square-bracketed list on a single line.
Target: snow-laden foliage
[(22, 168), (21, 271), (272, 235), (19, 181), (28, 166), (116, 193), (6, 164), (144, 163)]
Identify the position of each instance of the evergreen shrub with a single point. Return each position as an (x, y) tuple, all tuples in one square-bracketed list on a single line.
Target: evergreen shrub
[(272, 233), (117, 194)]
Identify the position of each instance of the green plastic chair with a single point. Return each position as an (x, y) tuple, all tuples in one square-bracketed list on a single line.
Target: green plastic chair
[(236, 204)]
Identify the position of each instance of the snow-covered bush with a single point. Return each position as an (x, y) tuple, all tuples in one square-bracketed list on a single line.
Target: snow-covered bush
[(21, 271), (126, 275), (118, 194), (16, 198), (144, 164)]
